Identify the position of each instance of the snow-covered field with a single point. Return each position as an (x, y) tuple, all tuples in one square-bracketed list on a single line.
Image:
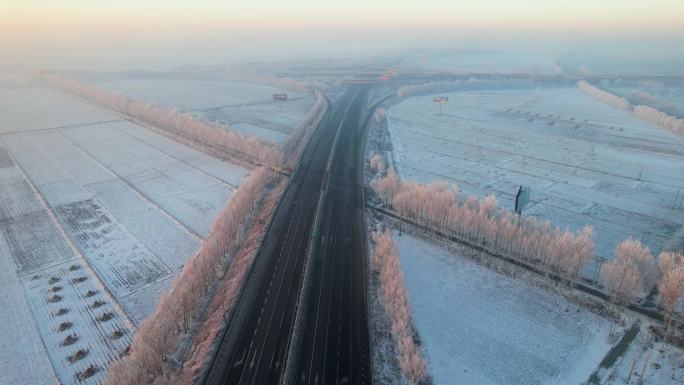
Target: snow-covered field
[(96, 215), (18, 110), (586, 162), (246, 107), (480, 327)]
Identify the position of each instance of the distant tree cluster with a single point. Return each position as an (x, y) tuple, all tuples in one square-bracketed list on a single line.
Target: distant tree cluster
[(385, 261), (659, 118), (437, 205), (295, 145), (157, 337), (649, 114), (233, 144), (604, 96)]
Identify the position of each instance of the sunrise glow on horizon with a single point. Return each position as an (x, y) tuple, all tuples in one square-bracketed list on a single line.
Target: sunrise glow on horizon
[(36, 17)]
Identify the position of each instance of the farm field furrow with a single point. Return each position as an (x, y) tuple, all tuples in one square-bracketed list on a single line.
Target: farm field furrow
[(21, 344)]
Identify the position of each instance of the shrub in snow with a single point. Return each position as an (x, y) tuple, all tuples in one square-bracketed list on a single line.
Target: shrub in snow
[(70, 340), (88, 372)]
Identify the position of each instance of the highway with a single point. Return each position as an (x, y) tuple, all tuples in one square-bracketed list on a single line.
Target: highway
[(335, 345)]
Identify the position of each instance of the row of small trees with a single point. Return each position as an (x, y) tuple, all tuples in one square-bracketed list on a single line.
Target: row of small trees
[(297, 141), (660, 119), (645, 113), (631, 274), (604, 96), (157, 338), (233, 144), (437, 205), (385, 261)]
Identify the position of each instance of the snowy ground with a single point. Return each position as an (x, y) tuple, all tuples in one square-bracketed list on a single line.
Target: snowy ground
[(665, 364), (96, 215), (480, 327), (247, 108), (586, 162), (18, 110)]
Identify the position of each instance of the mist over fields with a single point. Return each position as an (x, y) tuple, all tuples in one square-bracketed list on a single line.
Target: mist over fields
[(373, 193)]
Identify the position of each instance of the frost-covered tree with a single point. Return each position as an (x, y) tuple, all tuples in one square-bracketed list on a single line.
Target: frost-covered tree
[(437, 205), (377, 163), (671, 284), (385, 260), (604, 96), (157, 337), (659, 118), (627, 275)]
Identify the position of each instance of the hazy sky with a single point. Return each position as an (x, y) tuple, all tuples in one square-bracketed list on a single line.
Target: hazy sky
[(603, 14), (41, 30)]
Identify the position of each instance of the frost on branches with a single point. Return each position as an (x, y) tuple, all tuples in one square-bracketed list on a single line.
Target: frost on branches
[(645, 113), (604, 96), (157, 338), (671, 283), (235, 145), (659, 118), (385, 261), (631, 273), (437, 205)]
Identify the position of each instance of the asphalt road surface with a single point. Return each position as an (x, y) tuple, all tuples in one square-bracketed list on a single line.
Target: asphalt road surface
[(335, 343)]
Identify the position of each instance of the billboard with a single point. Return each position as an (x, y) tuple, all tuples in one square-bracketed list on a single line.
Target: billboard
[(440, 99), (522, 198), (279, 96)]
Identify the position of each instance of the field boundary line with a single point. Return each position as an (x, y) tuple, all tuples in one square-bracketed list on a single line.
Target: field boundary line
[(233, 188), (135, 189), (57, 128)]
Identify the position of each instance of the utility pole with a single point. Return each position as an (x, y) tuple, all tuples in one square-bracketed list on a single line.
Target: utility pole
[(676, 198)]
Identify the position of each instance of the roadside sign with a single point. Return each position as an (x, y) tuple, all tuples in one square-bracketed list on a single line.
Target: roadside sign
[(441, 100), (522, 198), (279, 96)]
